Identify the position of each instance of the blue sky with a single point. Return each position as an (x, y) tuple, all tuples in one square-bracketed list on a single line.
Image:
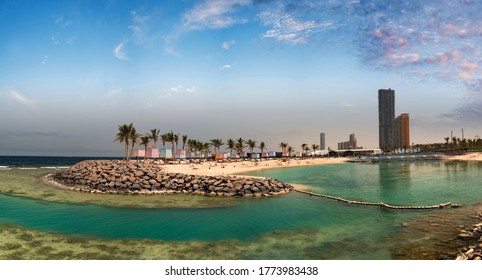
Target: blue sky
[(273, 71)]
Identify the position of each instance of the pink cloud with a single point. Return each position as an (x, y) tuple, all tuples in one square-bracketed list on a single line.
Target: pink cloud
[(468, 66)]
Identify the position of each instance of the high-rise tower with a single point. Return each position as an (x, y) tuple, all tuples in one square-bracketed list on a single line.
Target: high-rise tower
[(322, 141), (386, 115), (401, 131)]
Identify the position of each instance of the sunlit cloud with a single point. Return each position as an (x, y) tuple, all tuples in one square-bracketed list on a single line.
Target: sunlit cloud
[(119, 52), (290, 27), (179, 90), (113, 93), (225, 66), (21, 99), (227, 44), (214, 14)]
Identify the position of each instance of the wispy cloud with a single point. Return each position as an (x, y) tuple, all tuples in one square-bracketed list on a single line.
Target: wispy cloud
[(119, 51), (61, 25), (348, 106), (175, 90), (288, 27), (171, 92), (21, 99), (114, 93), (61, 22), (214, 14), (139, 25), (225, 66), (227, 44), (45, 59)]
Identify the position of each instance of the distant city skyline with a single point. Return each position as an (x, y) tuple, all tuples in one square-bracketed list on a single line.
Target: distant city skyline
[(268, 70)]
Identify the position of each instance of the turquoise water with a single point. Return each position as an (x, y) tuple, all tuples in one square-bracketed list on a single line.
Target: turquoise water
[(334, 225), (402, 183)]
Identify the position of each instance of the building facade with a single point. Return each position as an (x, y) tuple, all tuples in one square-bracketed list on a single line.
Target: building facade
[(350, 144), (386, 115), (322, 141), (401, 131)]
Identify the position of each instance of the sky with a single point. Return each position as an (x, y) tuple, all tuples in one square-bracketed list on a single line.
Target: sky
[(275, 71)]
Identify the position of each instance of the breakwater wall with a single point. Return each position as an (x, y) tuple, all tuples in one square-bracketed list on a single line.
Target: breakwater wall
[(380, 204), (138, 177), (394, 158)]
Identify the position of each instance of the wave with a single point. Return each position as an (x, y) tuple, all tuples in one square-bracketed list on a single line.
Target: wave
[(55, 167), (27, 168)]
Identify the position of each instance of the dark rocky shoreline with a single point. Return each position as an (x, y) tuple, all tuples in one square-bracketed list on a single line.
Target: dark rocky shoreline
[(472, 237), (139, 177)]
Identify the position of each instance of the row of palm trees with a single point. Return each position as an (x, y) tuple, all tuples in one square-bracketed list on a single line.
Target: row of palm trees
[(452, 144), (128, 135)]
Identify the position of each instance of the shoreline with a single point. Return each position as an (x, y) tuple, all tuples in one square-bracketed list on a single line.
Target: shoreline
[(145, 177), (470, 157), (239, 167)]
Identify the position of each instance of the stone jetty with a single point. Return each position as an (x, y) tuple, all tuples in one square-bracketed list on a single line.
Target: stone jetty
[(143, 177)]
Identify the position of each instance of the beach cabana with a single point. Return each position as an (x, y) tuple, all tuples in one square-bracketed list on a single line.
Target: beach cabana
[(152, 153)]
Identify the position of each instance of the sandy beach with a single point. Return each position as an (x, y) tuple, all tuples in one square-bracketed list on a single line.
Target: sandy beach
[(475, 156), (236, 167)]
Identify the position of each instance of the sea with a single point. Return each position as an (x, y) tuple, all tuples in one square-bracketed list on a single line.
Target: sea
[(38, 221)]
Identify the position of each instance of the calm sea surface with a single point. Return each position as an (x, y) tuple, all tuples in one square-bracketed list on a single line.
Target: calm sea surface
[(325, 229)]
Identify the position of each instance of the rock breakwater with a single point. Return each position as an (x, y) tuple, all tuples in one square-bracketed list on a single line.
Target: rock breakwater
[(139, 177), (472, 236)]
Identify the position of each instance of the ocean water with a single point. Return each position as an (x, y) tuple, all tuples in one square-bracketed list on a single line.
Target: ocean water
[(292, 226)]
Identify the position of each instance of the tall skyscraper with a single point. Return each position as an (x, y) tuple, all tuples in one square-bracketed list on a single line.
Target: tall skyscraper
[(386, 115), (352, 141), (401, 131), (322, 141)]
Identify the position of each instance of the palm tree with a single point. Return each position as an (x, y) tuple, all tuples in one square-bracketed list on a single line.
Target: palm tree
[(176, 140), (217, 143), (283, 147), (307, 149), (251, 145), (145, 142), (164, 139), (262, 146), (447, 142), (184, 140), (134, 137), (315, 147), (231, 145), (303, 148), (171, 138), (123, 136), (290, 149), (205, 148), (155, 136), (239, 145), (192, 146)]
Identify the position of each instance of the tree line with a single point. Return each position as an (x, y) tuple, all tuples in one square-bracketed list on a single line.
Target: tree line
[(128, 135)]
